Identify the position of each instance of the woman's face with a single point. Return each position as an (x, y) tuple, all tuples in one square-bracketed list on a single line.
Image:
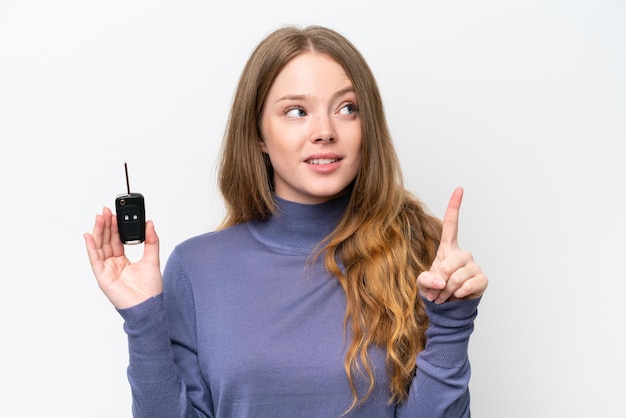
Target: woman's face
[(311, 130)]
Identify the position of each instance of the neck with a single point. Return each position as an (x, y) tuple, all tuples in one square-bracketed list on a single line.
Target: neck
[(300, 227)]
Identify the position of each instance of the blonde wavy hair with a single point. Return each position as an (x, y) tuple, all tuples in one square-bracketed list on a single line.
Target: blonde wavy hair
[(385, 238)]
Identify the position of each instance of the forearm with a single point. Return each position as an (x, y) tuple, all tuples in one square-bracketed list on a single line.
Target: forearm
[(440, 388), (156, 384), (150, 354)]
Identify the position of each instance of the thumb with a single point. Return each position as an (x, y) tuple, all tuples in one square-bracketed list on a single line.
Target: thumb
[(151, 244)]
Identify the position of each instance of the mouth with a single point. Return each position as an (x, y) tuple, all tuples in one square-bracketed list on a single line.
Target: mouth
[(318, 161)]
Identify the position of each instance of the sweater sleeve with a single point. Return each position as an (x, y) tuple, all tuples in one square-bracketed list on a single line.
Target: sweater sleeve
[(440, 388), (163, 371)]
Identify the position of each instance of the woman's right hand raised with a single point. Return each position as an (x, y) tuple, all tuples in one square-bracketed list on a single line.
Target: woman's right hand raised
[(124, 283)]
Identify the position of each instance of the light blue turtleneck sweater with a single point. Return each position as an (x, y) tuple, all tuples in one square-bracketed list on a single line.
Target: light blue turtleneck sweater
[(246, 328)]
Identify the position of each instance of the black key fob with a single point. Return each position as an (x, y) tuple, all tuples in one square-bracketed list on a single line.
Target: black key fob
[(130, 211)]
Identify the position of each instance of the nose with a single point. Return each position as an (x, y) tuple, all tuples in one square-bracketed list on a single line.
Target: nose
[(323, 131)]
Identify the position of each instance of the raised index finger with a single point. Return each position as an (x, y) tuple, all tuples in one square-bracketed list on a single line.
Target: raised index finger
[(450, 229)]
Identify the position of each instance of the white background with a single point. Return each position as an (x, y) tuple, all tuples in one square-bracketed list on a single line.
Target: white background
[(521, 103)]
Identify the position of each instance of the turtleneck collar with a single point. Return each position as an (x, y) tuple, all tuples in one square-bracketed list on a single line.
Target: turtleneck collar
[(297, 227)]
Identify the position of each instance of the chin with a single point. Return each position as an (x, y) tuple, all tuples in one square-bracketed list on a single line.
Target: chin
[(330, 195)]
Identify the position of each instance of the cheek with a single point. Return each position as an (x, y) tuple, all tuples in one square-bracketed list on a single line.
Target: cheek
[(357, 148), (265, 131)]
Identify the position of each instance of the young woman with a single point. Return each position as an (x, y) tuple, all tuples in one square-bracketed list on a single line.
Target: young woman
[(328, 291)]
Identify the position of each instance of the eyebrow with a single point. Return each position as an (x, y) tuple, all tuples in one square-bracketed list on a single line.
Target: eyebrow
[(296, 97)]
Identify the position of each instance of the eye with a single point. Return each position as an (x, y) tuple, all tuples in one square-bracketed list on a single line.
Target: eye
[(295, 112), (348, 109)]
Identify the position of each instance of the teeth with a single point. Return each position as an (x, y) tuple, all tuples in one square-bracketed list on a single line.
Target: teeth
[(322, 160)]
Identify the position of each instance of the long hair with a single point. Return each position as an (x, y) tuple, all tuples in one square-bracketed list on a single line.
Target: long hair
[(385, 238)]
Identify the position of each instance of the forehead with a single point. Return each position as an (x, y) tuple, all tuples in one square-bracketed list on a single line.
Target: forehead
[(311, 70)]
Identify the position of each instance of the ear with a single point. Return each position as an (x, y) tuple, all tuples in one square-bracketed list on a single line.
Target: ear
[(263, 146)]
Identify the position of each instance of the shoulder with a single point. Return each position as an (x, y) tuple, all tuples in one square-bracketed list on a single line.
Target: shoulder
[(207, 255), (207, 263), (216, 243)]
